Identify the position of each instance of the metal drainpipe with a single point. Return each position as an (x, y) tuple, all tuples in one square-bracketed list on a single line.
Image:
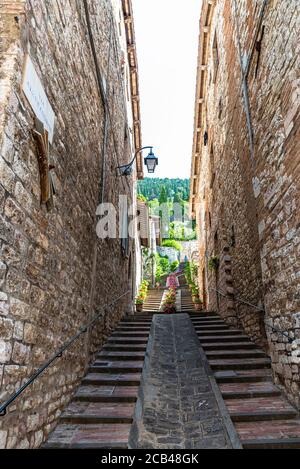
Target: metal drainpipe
[(103, 98), (245, 71), (102, 93)]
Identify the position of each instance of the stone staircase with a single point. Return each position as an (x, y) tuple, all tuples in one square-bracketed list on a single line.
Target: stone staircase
[(187, 304), (101, 412), (263, 417), (153, 301)]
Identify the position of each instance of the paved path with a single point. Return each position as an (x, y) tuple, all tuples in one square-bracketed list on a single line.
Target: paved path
[(177, 407)]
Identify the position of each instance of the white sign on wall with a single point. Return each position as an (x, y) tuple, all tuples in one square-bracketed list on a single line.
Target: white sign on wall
[(35, 93)]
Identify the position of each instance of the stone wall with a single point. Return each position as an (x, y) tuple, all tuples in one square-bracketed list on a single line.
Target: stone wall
[(245, 181), (54, 272)]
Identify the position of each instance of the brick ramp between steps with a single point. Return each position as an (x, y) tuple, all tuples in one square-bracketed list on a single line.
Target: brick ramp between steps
[(178, 405)]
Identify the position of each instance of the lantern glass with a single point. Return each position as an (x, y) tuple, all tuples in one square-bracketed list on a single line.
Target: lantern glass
[(151, 162)]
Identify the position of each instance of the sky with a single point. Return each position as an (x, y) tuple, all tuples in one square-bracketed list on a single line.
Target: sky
[(167, 34)]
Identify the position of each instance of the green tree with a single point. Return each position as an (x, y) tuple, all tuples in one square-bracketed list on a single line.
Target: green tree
[(163, 198)]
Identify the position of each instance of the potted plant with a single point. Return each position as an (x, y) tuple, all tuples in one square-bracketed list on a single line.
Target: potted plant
[(195, 292), (198, 304), (169, 308), (169, 304), (139, 304)]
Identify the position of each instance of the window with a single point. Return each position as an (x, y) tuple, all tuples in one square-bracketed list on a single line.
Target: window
[(215, 58)]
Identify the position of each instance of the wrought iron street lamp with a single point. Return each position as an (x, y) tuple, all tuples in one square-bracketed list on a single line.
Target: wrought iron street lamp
[(151, 162)]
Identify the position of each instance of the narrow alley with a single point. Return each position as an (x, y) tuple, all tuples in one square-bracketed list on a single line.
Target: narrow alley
[(184, 381), (149, 295)]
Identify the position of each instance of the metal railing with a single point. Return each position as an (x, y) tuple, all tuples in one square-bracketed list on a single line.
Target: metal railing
[(261, 310), (59, 354), (239, 300)]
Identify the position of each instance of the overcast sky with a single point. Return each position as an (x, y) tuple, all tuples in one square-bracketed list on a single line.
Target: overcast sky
[(167, 43)]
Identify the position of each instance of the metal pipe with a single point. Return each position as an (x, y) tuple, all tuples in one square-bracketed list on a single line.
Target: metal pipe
[(244, 86), (246, 68), (102, 94)]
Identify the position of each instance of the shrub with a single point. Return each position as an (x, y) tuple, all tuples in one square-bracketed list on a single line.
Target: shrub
[(159, 273), (171, 243), (174, 266), (139, 301), (165, 265)]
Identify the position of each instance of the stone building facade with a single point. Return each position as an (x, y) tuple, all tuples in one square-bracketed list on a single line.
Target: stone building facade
[(245, 182), (54, 271)]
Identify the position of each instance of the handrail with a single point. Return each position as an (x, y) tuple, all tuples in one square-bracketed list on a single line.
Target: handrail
[(59, 354), (238, 300)]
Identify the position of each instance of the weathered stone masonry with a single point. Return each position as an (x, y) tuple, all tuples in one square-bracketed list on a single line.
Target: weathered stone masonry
[(245, 181), (54, 272)]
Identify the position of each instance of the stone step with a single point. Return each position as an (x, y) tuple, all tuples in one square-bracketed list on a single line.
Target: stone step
[(243, 376), (153, 300), (111, 379), (93, 413), (208, 323), (210, 319), (240, 353), (156, 299), (105, 436), (211, 327), (111, 393), (222, 338), (203, 314), (227, 346), (135, 324), (260, 409), (131, 330), (124, 348), (153, 304), (240, 364), (127, 341), (221, 333), (281, 443), (278, 434), (146, 317), (148, 312), (152, 309), (131, 334), (116, 367), (249, 390), (115, 356)]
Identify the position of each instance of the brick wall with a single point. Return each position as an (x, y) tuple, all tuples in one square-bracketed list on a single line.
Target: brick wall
[(247, 182), (54, 272)]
